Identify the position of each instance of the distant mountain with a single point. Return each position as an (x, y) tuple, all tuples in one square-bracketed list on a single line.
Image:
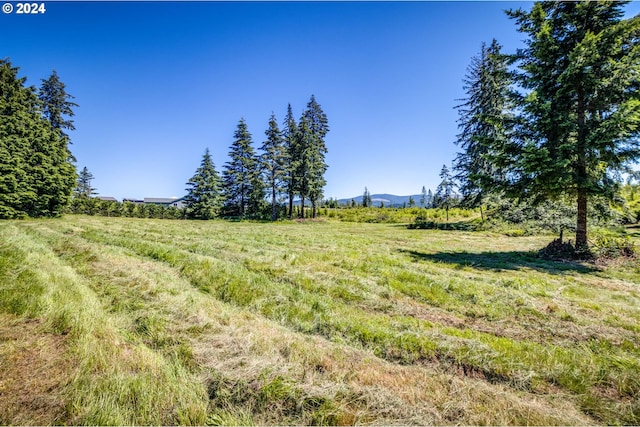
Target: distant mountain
[(388, 199)]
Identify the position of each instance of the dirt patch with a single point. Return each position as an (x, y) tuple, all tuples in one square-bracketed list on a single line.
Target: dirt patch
[(34, 369)]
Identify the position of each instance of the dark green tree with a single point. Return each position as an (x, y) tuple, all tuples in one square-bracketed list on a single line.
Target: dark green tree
[(423, 198), (240, 172), (83, 186), (273, 163), (313, 150), (484, 124), (412, 202), (36, 175), (579, 110), (445, 192), (55, 103), (204, 193), (291, 157)]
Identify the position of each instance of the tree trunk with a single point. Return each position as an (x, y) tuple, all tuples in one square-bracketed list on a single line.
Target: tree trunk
[(302, 208), (313, 206), (581, 226), (274, 214), (290, 205), (481, 213)]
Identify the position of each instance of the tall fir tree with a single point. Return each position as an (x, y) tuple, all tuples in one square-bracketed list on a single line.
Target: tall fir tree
[(484, 124), (56, 103), (204, 191), (579, 111), (273, 163), (36, 175), (239, 175), (423, 197), (291, 157), (314, 150)]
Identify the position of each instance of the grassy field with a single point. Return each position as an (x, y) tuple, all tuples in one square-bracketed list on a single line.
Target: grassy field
[(139, 321)]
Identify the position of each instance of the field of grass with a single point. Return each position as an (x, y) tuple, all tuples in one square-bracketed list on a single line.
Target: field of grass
[(140, 321)]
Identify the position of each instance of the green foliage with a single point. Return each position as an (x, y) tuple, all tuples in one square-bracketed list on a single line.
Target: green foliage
[(445, 196), (83, 186), (240, 173), (579, 108), (36, 173), (483, 123), (204, 193), (366, 199), (273, 165)]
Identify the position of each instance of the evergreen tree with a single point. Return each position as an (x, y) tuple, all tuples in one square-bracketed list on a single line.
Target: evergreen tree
[(302, 171), (36, 176), (239, 175), (579, 113), (83, 187), (484, 122), (273, 162), (444, 197), (423, 198), (55, 103), (204, 193), (430, 199), (412, 202), (291, 157), (313, 150), (366, 198)]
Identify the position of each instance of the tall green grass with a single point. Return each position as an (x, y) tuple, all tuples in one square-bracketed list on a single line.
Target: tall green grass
[(478, 305)]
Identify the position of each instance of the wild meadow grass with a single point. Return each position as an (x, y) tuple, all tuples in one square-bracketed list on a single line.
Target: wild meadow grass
[(238, 323)]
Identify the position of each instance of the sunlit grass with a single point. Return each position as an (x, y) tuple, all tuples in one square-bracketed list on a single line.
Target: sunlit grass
[(288, 323)]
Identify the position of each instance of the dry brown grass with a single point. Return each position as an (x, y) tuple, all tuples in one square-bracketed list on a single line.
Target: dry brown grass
[(34, 369)]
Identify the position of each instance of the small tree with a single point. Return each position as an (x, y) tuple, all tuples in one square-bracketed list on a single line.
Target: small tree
[(366, 198), (412, 202), (84, 188), (445, 192), (204, 198), (423, 198)]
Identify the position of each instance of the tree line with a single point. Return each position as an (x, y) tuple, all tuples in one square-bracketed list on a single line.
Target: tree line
[(37, 171), (291, 163)]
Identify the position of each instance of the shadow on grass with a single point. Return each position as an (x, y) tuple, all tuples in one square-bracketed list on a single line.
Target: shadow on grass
[(497, 261)]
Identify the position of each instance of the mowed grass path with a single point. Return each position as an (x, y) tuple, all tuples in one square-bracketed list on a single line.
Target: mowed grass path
[(185, 322)]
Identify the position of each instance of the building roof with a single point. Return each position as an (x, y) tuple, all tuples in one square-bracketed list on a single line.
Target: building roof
[(108, 198), (163, 200)]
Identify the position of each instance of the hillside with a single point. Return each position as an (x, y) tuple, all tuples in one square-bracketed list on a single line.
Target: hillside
[(389, 200), (136, 321)]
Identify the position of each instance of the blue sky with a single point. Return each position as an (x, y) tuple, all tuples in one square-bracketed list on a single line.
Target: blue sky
[(158, 82)]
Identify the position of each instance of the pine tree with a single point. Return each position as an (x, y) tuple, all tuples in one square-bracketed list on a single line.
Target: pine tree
[(55, 103), (412, 202), (240, 172), (302, 171), (83, 187), (444, 197), (423, 198), (291, 157), (313, 150), (484, 124), (366, 198), (430, 199), (204, 193), (579, 114), (36, 175), (273, 162)]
